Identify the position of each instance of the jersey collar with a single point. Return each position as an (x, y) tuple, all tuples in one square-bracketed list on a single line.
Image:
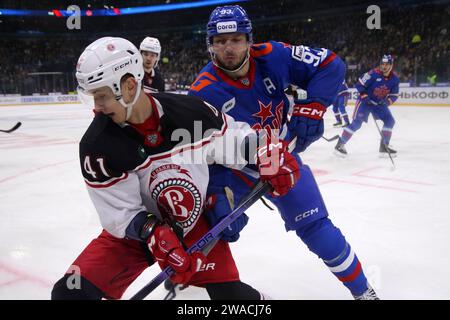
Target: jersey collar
[(377, 70), (245, 82)]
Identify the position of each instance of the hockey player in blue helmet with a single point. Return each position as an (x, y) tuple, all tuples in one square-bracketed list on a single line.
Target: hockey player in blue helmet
[(247, 81), (378, 89), (229, 19)]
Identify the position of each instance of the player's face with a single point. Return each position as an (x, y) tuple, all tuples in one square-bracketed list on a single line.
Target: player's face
[(385, 67), (106, 103), (230, 49), (149, 59)]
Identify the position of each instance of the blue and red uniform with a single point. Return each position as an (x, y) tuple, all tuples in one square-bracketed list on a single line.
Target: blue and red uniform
[(340, 103), (258, 98), (376, 93)]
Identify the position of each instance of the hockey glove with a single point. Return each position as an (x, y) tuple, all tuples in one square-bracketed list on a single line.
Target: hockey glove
[(367, 101), (168, 251), (307, 123), (278, 167), (220, 205)]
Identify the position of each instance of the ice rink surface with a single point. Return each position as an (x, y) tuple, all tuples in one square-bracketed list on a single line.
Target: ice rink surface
[(398, 222)]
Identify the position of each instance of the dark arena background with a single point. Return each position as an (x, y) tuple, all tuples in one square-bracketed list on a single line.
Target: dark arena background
[(39, 53)]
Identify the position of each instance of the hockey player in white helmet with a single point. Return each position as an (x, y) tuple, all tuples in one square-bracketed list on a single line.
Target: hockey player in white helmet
[(149, 197), (151, 53)]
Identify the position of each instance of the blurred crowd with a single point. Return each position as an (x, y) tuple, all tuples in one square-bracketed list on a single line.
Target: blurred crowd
[(417, 37)]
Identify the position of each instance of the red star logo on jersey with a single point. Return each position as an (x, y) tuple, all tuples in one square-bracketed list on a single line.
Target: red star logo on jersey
[(264, 112)]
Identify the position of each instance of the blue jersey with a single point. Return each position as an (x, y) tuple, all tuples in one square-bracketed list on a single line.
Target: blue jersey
[(380, 89), (259, 98)]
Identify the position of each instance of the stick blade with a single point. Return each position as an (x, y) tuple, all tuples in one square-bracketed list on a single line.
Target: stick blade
[(16, 126)]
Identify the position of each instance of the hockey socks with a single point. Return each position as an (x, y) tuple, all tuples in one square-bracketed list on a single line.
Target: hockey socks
[(386, 132), (328, 243)]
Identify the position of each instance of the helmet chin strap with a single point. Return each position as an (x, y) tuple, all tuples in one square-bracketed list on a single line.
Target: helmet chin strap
[(213, 59), (129, 106)]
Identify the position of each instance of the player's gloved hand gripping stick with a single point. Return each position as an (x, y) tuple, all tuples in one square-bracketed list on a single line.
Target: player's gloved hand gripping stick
[(204, 243)]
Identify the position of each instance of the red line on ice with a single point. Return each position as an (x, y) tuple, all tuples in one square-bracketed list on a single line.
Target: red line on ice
[(366, 185), (364, 175), (33, 170), (24, 276)]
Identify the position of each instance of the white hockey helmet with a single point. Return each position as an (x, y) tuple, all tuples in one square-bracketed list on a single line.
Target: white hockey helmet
[(152, 45), (104, 62)]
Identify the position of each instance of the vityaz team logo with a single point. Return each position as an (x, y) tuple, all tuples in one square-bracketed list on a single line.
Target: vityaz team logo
[(180, 198)]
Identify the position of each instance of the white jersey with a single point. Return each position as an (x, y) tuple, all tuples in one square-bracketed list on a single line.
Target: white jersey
[(125, 176)]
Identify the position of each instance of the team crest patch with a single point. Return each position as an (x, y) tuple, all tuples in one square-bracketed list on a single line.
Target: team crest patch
[(245, 82), (381, 92), (179, 197), (152, 138)]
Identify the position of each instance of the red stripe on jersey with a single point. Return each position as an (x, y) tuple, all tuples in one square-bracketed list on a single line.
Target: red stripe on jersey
[(358, 103), (330, 58), (241, 176), (353, 275), (238, 83), (106, 184)]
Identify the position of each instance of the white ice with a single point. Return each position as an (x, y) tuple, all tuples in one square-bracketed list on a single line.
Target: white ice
[(398, 222)]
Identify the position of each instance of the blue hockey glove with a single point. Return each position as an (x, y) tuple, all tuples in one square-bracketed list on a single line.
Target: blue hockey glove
[(307, 123), (218, 206)]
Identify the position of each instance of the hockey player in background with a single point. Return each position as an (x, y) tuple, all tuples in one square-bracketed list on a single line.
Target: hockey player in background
[(378, 89), (247, 81), (339, 107), (147, 186), (151, 53)]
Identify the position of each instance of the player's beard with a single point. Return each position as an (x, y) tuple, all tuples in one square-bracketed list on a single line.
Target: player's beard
[(232, 67)]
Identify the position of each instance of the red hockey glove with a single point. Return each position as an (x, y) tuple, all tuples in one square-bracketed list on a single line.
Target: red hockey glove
[(277, 166), (168, 251)]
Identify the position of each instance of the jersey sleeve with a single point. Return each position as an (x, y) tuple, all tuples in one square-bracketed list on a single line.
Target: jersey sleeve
[(112, 185), (364, 82), (393, 95), (117, 203), (318, 71), (227, 148)]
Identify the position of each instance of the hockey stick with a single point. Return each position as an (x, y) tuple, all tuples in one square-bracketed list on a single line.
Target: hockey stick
[(258, 190), (332, 138), (382, 141), (173, 287), (17, 125)]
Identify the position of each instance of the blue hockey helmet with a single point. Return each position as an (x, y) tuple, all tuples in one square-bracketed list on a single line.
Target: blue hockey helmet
[(387, 58), (228, 19)]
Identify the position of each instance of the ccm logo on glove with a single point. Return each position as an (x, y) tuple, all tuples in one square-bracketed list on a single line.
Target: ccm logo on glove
[(312, 110)]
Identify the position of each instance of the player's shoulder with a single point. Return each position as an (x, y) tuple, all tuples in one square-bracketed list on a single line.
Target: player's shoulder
[(376, 72), (102, 149), (207, 84), (207, 72), (395, 76), (183, 111), (268, 49)]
